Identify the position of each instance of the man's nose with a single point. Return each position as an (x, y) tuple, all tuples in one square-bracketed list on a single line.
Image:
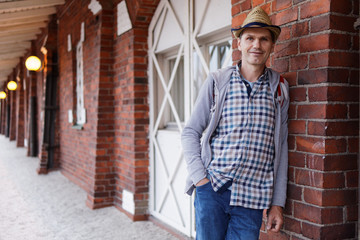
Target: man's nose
[(257, 43)]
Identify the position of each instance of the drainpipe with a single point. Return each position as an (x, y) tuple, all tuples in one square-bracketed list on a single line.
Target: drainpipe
[(357, 27)]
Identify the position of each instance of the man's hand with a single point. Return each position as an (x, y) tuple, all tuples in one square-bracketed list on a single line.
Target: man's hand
[(275, 219), (202, 182)]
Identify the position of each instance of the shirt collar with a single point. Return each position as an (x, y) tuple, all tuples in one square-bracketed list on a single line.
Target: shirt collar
[(262, 78)]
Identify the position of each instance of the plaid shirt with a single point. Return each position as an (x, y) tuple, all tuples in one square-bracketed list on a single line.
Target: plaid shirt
[(243, 144)]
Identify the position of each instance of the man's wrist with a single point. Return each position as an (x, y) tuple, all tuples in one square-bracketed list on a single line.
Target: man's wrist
[(279, 208)]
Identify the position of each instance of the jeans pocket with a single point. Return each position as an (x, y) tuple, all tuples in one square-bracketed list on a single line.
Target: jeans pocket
[(203, 186)]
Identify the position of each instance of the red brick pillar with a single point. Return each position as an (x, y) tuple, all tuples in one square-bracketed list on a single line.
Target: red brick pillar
[(20, 118), (318, 53), (2, 116), (26, 82), (323, 157), (132, 127), (12, 99), (132, 112), (103, 186), (5, 112)]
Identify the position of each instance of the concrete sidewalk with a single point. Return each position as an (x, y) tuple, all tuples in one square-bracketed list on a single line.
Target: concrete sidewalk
[(47, 207)]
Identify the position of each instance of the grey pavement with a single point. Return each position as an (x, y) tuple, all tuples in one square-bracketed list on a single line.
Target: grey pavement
[(47, 207)]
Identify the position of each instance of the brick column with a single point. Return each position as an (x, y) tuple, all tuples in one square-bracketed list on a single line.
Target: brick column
[(26, 112), (5, 112), (132, 127), (103, 186), (20, 118), (318, 53), (323, 157), (132, 112), (2, 116), (12, 99)]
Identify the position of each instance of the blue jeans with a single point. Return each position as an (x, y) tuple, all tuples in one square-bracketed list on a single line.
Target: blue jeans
[(216, 220)]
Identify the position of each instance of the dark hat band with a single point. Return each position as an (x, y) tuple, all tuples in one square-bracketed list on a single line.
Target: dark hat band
[(256, 23)]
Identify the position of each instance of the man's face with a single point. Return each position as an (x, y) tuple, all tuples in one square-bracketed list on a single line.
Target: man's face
[(255, 45)]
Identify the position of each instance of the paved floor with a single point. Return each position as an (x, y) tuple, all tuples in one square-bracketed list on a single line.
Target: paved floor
[(47, 207)]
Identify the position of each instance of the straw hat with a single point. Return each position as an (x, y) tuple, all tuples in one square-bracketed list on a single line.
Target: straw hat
[(257, 18)]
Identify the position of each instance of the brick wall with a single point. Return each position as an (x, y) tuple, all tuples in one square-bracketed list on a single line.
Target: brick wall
[(78, 146), (87, 154), (20, 121), (104, 167), (40, 83), (27, 80), (132, 108), (12, 100), (2, 116), (318, 53), (110, 153), (4, 103)]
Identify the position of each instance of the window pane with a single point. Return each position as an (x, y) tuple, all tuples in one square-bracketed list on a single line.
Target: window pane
[(177, 89), (167, 114), (216, 56)]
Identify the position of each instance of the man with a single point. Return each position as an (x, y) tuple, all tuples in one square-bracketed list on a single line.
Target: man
[(235, 142)]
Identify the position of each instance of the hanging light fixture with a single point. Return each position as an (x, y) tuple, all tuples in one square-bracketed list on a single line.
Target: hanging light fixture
[(2, 95), (12, 85), (33, 63)]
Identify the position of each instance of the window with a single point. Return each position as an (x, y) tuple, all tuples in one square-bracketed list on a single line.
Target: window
[(172, 105), (80, 107), (217, 55)]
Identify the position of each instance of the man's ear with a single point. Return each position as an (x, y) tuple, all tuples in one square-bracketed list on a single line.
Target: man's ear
[(238, 44)]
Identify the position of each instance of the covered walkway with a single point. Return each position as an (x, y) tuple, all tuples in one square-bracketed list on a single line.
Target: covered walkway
[(51, 207)]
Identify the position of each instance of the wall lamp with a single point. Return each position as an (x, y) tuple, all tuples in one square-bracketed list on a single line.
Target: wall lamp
[(2, 95), (33, 63), (12, 85)]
